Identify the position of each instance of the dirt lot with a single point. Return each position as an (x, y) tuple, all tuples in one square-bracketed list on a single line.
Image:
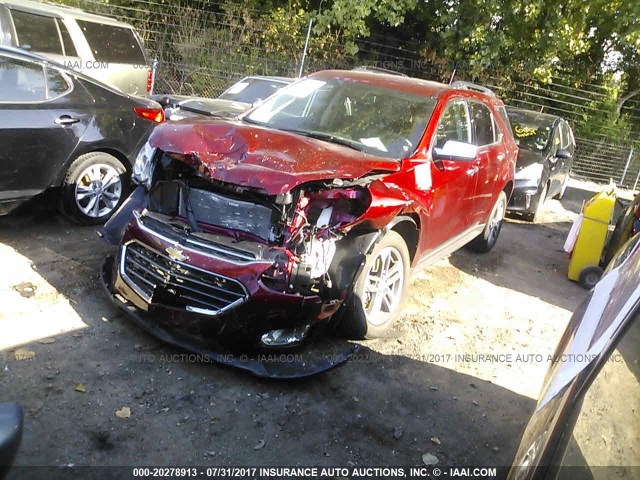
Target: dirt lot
[(72, 361)]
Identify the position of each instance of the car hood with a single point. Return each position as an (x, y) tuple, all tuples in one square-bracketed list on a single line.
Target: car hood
[(529, 157), (274, 161)]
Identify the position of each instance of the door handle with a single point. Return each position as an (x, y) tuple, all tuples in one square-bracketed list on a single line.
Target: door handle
[(501, 157), (472, 171), (65, 120)]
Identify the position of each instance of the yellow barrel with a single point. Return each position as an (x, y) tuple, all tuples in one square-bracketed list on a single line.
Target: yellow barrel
[(584, 265)]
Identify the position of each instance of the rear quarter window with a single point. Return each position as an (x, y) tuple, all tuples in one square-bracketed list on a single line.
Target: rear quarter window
[(113, 44)]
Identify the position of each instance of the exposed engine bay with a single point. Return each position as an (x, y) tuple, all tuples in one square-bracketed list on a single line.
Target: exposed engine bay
[(297, 230)]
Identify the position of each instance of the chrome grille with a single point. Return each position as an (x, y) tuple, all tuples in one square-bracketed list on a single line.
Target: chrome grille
[(182, 285)]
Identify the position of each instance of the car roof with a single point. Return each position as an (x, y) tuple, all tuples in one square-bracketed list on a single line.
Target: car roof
[(51, 9), (414, 85), (532, 115), (270, 78)]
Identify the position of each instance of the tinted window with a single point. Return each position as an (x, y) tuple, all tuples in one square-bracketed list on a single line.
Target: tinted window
[(21, 81), (38, 31), (56, 83), (67, 43), (454, 125), (112, 44), (482, 121)]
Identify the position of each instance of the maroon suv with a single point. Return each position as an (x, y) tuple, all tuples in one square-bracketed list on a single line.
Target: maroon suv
[(310, 209)]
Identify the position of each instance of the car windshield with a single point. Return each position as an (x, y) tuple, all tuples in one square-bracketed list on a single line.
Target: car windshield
[(529, 132), (381, 121), (250, 90)]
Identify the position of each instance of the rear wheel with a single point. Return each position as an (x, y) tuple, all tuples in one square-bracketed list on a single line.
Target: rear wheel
[(94, 187), (489, 236), (379, 291)]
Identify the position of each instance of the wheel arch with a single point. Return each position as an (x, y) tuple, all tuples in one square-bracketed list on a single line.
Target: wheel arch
[(121, 157), (407, 226)]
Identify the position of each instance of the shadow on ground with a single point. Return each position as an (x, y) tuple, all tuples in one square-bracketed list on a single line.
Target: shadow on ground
[(376, 410)]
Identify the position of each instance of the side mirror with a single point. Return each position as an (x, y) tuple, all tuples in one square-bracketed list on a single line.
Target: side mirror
[(456, 151), (564, 154)]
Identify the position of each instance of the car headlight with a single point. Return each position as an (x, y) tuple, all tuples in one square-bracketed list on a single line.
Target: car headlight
[(530, 172), (143, 166)]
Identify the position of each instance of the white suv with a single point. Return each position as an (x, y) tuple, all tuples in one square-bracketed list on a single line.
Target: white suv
[(101, 47)]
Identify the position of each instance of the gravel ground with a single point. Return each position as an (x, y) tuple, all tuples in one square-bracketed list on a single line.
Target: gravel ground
[(77, 365)]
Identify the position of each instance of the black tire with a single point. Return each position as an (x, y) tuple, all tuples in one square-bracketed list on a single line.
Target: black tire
[(563, 188), (590, 276), (484, 242), (79, 189), (357, 320)]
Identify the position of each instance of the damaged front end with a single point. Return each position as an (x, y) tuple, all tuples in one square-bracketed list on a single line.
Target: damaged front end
[(214, 266)]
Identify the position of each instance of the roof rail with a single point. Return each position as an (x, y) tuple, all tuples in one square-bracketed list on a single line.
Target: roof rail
[(460, 85), (366, 68)]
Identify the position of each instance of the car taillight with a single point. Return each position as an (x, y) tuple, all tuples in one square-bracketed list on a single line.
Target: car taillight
[(150, 78), (154, 114)]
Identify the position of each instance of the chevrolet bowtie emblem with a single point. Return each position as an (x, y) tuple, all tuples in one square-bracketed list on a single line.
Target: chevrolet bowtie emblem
[(176, 254)]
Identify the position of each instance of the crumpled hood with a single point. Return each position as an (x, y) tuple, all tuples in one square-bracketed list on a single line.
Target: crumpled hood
[(529, 157), (272, 160)]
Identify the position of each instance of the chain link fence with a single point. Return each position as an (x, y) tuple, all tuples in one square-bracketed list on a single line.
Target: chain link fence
[(203, 47)]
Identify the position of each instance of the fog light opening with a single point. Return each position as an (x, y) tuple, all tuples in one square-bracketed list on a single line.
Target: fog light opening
[(285, 337)]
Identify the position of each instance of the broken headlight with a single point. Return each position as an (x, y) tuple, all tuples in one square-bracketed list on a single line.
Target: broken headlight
[(143, 166)]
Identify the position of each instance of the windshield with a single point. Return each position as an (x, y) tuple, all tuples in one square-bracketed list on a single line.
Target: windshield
[(530, 133), (250, 90), (381, 121)]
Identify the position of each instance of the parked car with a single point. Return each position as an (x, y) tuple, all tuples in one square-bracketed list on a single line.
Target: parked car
[(585, 425), (11, 418), (313, 206), (236, 99), (100, 47), (547, 146), (60, 128)]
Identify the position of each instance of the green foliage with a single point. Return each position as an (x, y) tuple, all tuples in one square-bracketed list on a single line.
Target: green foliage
[(528, 49)]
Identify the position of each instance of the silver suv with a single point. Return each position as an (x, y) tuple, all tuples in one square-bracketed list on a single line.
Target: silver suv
[(101, 47)]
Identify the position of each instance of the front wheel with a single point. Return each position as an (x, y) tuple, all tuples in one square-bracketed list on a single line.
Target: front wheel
[(94, 187), (489, 236), (379, 291)]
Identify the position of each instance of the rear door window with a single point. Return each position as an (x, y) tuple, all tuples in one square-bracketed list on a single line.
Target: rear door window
[(482, 121), (57, 85), (21, 81), (39, 32), (113, 44)]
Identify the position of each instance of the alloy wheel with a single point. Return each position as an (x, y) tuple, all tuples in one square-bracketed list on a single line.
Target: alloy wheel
[(98, 190), (383, 286), (495, 222)]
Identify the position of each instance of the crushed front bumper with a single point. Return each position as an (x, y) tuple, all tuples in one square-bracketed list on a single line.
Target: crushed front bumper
[(318, 358)]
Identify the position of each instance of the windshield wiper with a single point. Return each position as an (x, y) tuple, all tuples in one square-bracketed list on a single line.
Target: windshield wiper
[(327, 137)]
